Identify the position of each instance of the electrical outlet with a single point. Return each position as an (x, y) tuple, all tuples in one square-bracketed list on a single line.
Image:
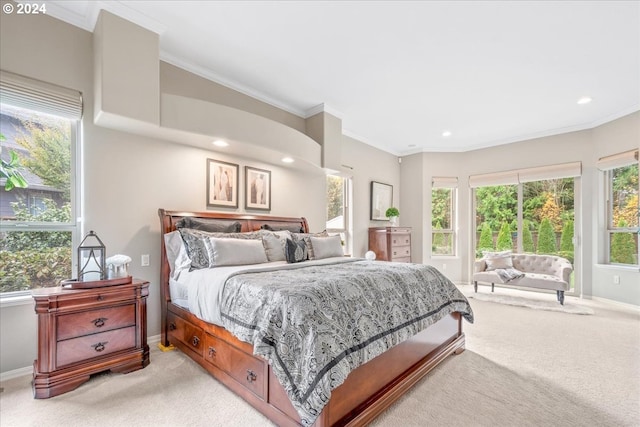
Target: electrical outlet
[(616, 279), (144, 260)]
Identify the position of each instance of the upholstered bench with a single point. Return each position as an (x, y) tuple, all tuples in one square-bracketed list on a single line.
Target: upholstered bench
[(540, 271)]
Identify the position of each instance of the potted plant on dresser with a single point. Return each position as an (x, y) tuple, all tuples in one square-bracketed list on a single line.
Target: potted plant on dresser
[(392, 213)]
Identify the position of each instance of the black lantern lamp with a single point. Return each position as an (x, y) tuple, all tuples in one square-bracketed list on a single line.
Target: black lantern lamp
[(91, 259)]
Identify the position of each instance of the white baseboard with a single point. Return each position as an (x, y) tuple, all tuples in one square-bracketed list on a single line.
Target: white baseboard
[(617, 304), (28, 370), (9, 375)]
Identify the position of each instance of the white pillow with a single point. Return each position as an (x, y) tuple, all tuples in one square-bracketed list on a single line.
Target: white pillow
[(274, 243), (326, 247), (176, 254), (235, 251)]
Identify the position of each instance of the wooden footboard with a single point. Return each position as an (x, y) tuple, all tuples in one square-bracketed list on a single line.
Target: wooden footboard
[(366, 392)]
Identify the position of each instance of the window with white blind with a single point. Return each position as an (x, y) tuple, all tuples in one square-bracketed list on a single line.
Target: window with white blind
[(338, 202), (443, 214), (39, 198), (620, 173)]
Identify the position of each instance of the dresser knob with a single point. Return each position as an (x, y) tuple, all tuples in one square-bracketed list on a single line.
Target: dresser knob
[(99, 322), (100, 346), (251, 376), (195, 341), (172, 326), (212, 352), (100, 298)]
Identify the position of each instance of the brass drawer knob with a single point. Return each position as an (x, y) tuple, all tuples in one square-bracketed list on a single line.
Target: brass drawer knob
[(251, 376), (195, 341), (212, 352)]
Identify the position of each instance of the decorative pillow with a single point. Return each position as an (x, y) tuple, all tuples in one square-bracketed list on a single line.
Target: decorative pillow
[(295, 251), (306, 236), (294, 228), (495, 262), (176, 253), (208, 224), (326, 247), (235, 252), (195, 242), (274, 244)]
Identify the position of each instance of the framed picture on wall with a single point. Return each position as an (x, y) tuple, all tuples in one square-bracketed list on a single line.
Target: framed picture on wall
[(222, 184), (257, 191), (381, 200)]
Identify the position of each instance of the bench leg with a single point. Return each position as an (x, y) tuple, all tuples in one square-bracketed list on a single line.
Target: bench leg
[(475, 286), (561, 297), (492, 287)]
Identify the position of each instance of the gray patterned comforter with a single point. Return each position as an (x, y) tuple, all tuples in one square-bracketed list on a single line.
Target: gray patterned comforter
[(316, 323)]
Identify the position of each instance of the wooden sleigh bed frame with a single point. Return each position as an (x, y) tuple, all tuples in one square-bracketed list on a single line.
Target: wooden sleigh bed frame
[(367, 391)]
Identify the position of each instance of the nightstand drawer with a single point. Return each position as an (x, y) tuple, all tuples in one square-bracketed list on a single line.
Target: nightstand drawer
[(95, 321), (96, 345), (99, 297)]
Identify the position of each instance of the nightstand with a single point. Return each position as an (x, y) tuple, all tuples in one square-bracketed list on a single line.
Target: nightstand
[(85, 331)]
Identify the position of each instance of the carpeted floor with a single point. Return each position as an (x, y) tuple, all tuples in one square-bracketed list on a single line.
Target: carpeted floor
[(522, 367)]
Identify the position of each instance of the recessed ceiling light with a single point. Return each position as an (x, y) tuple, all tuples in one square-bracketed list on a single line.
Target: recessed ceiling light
[(446, 133), (584, 100), (220, 143), (287, 160)]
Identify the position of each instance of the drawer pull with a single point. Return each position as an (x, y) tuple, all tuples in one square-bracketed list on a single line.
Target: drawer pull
[(100, 298), (195, 341), (100, 346), (212, 352), (172, 326), (99, 322), (251, 376)]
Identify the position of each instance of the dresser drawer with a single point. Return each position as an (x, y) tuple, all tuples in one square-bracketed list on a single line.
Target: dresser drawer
[(95, 321), (400, 252), (96, 345), (187, 333), (248, 370), (400, 240)]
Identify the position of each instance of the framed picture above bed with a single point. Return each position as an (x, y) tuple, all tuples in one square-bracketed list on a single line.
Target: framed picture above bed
[(222, 184), (257, 191), (381, 200)]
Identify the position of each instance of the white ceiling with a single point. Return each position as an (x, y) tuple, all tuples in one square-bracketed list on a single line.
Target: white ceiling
[(399, 73)]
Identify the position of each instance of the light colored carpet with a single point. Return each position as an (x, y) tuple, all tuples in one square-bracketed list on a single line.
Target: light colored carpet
[(534, 303), (522, 367)]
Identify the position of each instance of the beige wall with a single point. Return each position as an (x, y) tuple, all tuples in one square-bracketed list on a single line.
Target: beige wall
[(586, 146), (128, 177)]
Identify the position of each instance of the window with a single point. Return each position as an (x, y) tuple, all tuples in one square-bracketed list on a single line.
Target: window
[(622, 209), (38, 203), (527, 211), (443, 207), (338, 196)]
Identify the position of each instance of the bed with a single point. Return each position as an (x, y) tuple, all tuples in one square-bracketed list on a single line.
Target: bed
[(265, 341)]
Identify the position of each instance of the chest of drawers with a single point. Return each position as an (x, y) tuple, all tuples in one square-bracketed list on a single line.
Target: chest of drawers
[(85, 331), (391, 243)]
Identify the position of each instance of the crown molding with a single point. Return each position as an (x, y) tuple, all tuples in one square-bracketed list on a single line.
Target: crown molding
[(322, 108)]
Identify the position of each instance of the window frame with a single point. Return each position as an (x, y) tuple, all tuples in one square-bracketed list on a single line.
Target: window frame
[(445, 183), (610, 228), (74, 225), (345, 231)]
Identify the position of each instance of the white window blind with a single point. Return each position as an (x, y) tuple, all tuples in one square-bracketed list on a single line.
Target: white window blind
[(564, 170), (619, 160), (444, 182), (37, 95)]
